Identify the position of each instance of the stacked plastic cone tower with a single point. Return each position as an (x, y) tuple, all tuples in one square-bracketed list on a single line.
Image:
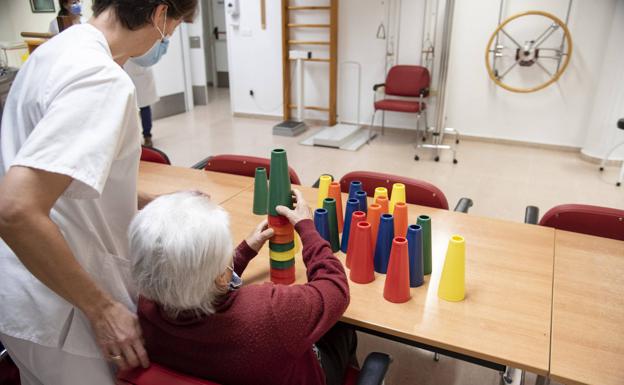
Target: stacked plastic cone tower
[(282, 244)]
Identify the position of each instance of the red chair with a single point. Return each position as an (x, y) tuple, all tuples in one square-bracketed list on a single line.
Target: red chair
[(240, 165), (585, 219), (404, 81), (416, 191), (151, 154), (372, 373)]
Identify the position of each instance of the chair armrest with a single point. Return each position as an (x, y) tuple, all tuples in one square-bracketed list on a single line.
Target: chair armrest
[(378, 86), (201, 164), (463, 205), (531, 214), (374, 369)]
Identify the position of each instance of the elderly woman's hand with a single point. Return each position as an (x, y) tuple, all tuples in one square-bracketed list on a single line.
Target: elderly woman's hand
[(302, 210), (261, 234)]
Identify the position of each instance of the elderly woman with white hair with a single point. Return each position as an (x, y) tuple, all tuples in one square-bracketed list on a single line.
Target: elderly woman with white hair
[(197, 318)]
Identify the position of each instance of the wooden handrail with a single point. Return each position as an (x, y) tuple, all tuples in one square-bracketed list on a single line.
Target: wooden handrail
[(306, 42), (308, 25), (313, 108), (37, 35), (307, 7), (315, 60)]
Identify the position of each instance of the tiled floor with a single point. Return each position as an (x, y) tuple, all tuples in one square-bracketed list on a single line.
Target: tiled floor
[(501, 180)]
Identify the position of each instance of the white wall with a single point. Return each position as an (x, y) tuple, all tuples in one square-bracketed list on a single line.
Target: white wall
[(556, 115), (608, 105), (559, 114), (255, 57)]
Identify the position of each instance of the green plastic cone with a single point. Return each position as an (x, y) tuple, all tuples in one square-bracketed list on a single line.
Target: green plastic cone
[(425, 222), (329, 204), (261, 192), (279, 182)]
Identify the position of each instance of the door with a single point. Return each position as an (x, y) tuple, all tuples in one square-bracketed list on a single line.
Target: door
[(219, 38)]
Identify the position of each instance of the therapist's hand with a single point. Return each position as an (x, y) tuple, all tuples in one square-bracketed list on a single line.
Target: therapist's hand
[(118, 334), (259, 236)]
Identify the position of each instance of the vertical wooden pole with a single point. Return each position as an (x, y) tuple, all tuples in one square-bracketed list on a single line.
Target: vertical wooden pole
[(333, 62), (263, 14), (285, 60)]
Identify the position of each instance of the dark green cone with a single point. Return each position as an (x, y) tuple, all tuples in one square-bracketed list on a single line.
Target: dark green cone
[(282, 265), (279, 182), (329, 204), (425, 222), (261, 192), (280, 248)]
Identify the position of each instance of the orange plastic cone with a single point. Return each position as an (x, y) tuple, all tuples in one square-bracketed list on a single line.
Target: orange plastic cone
[(400, 219), (383, 201), (362, 269), (357, 217), (373, 217), (397, 285), (334, 192)]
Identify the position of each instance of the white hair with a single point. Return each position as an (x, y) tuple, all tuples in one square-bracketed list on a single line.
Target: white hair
[(179, 244)]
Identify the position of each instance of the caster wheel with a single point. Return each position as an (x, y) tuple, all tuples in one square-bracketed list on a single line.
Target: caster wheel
[(618, 184), (416, 158), (454, 161), (437, 158), (456, 141), (601, 168), (424, 138)]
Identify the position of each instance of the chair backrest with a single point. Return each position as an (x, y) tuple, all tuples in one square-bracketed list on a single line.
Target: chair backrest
[(416, 191), (158, 375), (405, 80), (592, 220), (150, 154), (243, 165)]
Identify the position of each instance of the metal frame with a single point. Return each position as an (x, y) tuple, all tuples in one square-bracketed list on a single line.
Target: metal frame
[(436, 350), (438, 131)]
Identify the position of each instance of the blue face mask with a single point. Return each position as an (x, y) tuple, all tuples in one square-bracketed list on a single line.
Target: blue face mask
[(159, 49), (235, 282), (76, 9)]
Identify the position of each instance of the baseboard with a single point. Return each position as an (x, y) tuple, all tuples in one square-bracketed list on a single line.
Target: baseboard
[(521, 143), (200, 95), (169, 105), (256, 116)]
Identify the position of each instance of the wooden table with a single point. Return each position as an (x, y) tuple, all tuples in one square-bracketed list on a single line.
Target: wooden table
[(588, 310), (157, 179), (505, 318)]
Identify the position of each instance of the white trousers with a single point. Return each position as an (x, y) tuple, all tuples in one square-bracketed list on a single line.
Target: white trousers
[(42, 365)]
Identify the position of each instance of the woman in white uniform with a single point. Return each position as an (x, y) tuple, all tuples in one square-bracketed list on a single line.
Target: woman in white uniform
[(71, 8), (69, 155)]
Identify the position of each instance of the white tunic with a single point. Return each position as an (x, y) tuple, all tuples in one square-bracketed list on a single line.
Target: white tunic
[(72, 110), (54, 28), (143, 79)]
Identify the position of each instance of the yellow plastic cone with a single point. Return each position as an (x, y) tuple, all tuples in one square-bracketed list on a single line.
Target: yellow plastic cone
[(380, 191), (398, 195), (323, 191), (453, 279)]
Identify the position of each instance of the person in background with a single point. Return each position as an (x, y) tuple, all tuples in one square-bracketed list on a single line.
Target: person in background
[(68, 8), (198, 318), (69, 160), (143, 79)]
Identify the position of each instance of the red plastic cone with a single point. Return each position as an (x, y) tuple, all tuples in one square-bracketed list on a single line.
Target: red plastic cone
[(397, 285), (374, 214), (334, 192), (357, 217), (400, 219), (362, 266), (383, 201)]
